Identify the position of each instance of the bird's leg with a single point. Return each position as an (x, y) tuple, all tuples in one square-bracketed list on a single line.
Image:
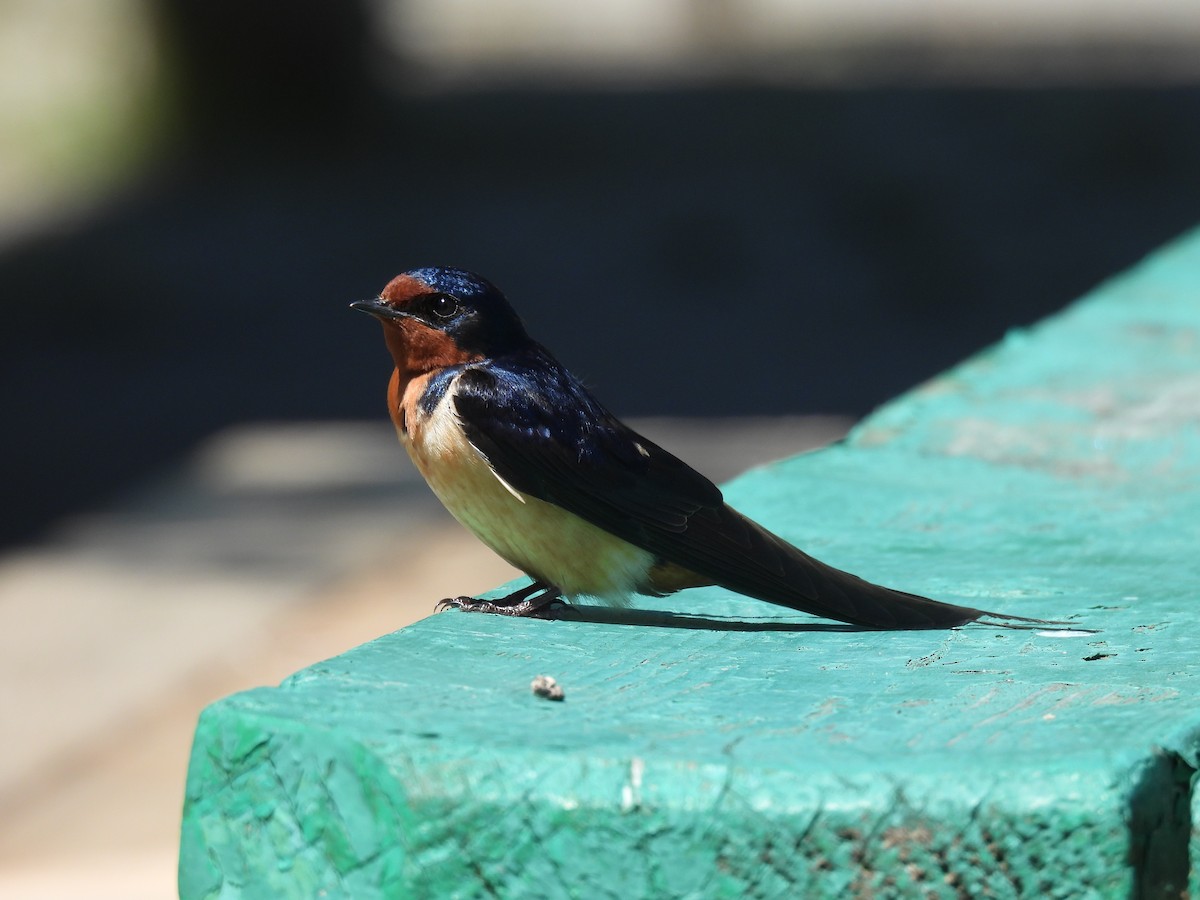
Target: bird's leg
[(521, 602)]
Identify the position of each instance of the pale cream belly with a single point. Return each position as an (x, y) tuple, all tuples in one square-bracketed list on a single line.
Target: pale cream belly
[(543, 540)]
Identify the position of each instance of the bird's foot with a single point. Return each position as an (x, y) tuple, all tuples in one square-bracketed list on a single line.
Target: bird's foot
[(525, 608), (538, 601)]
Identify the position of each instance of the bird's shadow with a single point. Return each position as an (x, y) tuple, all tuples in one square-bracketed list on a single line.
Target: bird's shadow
[(656, 618)]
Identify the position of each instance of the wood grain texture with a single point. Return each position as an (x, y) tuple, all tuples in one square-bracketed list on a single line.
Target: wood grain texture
[(753, 753)]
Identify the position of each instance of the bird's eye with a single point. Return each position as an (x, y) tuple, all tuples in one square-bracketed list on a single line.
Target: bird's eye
[(443, 305)]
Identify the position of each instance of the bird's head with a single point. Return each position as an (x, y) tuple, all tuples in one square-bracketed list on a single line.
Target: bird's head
[(437, 317)]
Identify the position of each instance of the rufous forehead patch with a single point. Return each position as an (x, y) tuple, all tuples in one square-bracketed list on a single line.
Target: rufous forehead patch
[(403, 288)]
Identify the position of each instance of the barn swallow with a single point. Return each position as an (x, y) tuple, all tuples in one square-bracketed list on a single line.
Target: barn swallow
[(523, 455)]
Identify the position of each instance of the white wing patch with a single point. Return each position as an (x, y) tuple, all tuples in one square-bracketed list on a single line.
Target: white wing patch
[(508, 487)]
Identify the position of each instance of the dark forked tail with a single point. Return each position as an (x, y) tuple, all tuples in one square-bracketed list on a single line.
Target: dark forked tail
[(739, 554)]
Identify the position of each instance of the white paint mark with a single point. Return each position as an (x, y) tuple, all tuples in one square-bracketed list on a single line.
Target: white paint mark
[(631, 794), (1065, 633)]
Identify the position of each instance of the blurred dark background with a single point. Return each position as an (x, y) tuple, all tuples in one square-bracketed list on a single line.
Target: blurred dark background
[(798, 230)]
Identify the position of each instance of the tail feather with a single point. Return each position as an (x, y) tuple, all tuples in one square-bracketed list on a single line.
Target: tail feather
[(765, 566), (840, 595)]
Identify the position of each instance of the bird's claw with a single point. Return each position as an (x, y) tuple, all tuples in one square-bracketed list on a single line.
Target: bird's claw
[(466, 604), (538, 609)]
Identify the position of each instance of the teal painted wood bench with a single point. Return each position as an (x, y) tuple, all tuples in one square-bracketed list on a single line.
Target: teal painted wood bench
[(742, 751)]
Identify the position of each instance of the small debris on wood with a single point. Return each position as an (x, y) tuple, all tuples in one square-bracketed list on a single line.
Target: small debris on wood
[(547, 687)]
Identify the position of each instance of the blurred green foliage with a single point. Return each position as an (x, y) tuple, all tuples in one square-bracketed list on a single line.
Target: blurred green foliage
[(80, 101)]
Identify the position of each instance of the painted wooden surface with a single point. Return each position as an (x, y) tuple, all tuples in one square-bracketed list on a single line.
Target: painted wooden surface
[(740, 751)]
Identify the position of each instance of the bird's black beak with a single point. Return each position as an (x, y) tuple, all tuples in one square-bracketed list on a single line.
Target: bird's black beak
[(377, 308)]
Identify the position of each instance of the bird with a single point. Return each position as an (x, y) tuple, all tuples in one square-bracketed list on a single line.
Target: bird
[(525, 457)]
